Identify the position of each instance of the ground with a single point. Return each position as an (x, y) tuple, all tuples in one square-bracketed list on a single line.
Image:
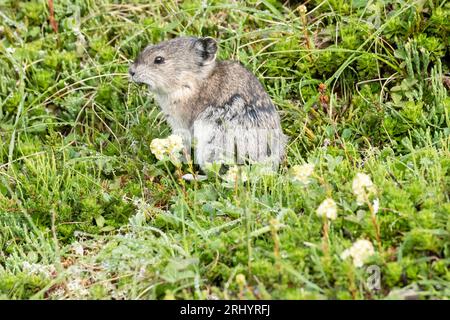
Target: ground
[(358, 210)]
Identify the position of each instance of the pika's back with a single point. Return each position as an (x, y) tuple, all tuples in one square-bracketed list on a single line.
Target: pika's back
[(230, 79)]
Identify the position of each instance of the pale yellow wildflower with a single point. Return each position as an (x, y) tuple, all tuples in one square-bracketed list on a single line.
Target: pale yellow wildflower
[(302, 9), (174, 144), (234, 175), (158, 148), (170, 146), (362, 187), (360, 251), (327, 208), (302, 173)]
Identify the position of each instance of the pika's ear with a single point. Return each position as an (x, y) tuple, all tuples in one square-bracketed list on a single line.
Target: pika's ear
[(206, 48)]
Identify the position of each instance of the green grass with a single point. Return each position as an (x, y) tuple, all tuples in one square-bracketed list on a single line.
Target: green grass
[(86, 210)]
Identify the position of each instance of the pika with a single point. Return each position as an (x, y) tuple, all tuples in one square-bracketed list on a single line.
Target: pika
[(220, 107)]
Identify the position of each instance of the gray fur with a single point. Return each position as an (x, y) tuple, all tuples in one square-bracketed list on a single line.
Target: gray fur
[(220, 104)]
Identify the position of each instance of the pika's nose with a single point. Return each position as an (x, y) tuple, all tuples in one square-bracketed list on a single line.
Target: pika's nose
[(132, 70)]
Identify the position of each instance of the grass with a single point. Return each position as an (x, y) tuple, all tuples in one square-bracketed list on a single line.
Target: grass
[(87, 212)]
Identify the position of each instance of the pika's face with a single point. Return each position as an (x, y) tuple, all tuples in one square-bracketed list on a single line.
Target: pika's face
[(174, 64)]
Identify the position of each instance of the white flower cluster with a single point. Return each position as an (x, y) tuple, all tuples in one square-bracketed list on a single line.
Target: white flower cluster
[(143, 210), (142, 206), (327, 208), (376, 206), (362, 187), (360, 251), (302, 173), (58, 293), (38, 269), (77, 248), (170, 146), (76, 287)]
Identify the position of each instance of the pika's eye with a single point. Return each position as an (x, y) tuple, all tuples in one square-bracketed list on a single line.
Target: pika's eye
[(159, 60)]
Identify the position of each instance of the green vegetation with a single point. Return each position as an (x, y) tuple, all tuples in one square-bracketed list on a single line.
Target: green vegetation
[(87, 211)]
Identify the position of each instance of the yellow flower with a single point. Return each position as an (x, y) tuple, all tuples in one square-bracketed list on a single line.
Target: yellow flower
[(303, 172), (302, 9), (158, 148), (327, 208), (171, 146), (233, 175), (360, 251), (240, 279), (174, 144), (362, 187)]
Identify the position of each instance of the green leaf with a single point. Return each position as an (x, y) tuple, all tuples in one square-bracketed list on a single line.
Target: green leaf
[(107, 229), (100, 221)]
